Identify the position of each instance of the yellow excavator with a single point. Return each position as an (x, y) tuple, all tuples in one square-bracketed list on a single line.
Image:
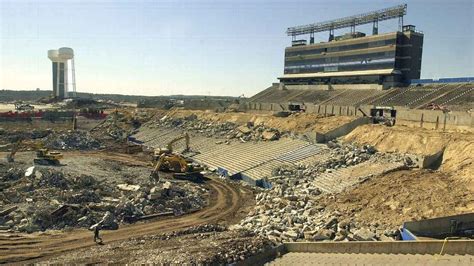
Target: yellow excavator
[(46, 157), (181, 168), (166, 160)]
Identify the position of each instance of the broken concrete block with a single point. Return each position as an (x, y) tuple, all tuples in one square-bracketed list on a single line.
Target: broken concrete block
[(270, 135), (244, 129), (291, 234), (323, 234), (127, 187), (364, 234), (30, 171)]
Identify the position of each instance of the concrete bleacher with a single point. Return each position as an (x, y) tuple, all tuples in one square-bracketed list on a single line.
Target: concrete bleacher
[(253, 161), (351, 97), (458, 96), (342, 178)]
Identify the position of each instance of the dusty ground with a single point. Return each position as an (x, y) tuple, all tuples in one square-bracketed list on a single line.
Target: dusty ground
[(299, 122), (402, 196), (190, 246)]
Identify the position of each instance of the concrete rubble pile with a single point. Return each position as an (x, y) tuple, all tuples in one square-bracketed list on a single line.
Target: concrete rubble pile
[(41, 198), (8, 137), (72, 140), (343, 156), (118, 126), (227, 130), (291, 209)]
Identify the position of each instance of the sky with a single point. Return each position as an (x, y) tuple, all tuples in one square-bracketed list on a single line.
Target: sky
[(200, 47)]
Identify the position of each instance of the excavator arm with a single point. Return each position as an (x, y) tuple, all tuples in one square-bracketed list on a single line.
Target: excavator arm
[(185, 136), (11, 155)]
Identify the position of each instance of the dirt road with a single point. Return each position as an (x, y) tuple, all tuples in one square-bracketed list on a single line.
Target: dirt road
[(226, 205)]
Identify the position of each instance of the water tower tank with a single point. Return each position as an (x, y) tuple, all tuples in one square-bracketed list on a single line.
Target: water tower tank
[(63, 71), (66, 53), (53, 55)]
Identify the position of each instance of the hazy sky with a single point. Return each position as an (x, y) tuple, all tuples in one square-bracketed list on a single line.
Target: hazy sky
[(200, 47)]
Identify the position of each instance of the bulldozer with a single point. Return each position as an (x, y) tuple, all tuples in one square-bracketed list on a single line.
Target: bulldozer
[(166, 160), (46, 157)]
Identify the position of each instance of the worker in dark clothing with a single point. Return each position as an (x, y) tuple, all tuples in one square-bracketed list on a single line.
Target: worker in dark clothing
[(97, 229)]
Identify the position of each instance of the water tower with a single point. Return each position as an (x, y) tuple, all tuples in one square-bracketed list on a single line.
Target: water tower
[(64, 77)]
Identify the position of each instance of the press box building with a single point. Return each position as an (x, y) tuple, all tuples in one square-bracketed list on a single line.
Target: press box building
[(388, 59)]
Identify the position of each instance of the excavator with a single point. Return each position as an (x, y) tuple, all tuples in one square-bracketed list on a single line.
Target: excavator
[(181, 168), (168, 161), (15, 147), (46, 157)]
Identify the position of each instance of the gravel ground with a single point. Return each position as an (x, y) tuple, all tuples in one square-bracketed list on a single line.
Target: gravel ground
[(205, 244)]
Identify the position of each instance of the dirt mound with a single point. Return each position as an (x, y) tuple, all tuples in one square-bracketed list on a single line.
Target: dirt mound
[(458, 147), (390, 200), (458, 158), (399, 139)]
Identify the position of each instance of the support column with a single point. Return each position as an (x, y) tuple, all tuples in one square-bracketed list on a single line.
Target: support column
[(331, 34), (61, 80), (375, 28), (55, 78)]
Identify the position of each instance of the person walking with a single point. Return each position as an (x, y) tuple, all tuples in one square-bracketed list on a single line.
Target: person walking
[(97, 227)]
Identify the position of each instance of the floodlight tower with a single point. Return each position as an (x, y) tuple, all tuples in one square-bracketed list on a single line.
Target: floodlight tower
[(61, 69)]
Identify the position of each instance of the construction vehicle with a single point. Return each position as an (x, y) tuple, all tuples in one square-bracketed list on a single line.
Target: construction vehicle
[(381, 115), (166, 160), (23, 106), (11, 155), (169, 146), (181, 168), (46, 157)]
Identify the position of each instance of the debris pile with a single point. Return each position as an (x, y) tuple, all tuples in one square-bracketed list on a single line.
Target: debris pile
[(72, 140), (343, 156), (45, 198), (11, 136), (291, 209), (227, 130), (120, 125)]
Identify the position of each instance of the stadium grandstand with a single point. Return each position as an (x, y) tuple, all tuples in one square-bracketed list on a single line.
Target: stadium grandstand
[(355, 70), (388, 59)]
